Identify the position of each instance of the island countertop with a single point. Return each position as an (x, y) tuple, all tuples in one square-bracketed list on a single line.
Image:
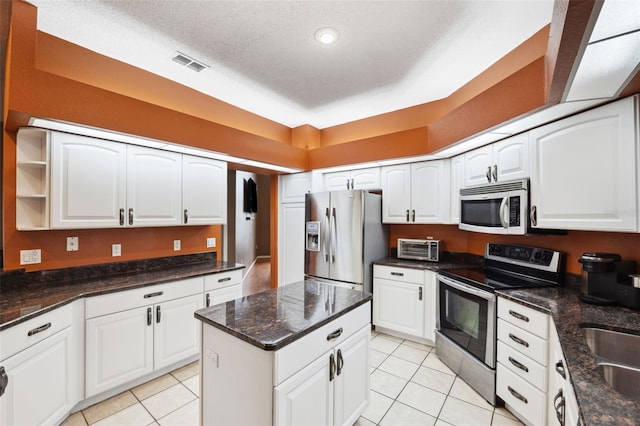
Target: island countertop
[(275, 318)]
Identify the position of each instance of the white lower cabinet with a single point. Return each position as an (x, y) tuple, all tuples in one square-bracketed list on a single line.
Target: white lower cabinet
[(561, 399), (133, 333), (404, 301), (222, 287), (43, 378), (320, 379), (331, 390)]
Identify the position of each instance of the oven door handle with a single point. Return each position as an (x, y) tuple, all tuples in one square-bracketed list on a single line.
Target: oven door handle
[(467, 288)]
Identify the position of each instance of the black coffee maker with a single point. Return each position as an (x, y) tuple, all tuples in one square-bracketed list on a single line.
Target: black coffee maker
[(607, 280)]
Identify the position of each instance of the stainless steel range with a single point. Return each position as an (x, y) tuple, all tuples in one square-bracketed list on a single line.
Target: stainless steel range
[(466, 328)]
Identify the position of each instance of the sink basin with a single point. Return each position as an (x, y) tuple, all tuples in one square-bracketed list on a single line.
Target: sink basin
[(625, 380), (617, 355), (620, 348)]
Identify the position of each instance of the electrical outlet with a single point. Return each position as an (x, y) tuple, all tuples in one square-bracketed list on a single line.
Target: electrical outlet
[(72, 244), (213, 356), (211, 242), (176, 245), (30, 257), (116, 250)]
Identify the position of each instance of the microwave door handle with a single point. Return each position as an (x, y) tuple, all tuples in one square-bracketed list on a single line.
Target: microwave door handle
[(467, 289), (504, 204)]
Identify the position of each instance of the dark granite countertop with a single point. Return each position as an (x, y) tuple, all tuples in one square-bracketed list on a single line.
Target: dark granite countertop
[(448, 261), (26, 295), (275, 318), (599, 403)]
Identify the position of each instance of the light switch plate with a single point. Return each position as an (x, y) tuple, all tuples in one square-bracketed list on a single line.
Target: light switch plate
[(116, 250), (211, 242), (176, 245), (30, 257), (72, 243)]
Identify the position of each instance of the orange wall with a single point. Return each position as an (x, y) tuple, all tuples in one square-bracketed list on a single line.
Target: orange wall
[(574, 244)]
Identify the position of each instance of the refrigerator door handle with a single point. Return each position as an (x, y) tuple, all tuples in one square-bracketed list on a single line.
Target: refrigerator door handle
[(334, 235), (327, 230)]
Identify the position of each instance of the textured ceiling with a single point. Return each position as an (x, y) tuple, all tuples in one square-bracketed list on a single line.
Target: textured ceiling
[(263, 56)]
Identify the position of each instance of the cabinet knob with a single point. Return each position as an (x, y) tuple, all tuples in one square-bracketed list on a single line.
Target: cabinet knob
[(121, 217), (420, 293), (347, 183), (413, 215), (208, 303), (495, 173), (130, 216), (186, 216), (407, 215), (351, 183), (488, 174), (560, 369)]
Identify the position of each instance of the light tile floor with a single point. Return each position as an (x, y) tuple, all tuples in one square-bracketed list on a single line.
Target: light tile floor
[(409, 386)]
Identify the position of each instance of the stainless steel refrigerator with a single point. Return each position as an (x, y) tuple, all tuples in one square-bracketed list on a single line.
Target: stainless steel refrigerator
[(343, 235)]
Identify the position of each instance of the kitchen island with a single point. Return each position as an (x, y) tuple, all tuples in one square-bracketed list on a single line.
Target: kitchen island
[(297, 354)]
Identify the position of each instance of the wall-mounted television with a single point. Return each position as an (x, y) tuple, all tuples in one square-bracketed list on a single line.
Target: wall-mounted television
[(250, 196)]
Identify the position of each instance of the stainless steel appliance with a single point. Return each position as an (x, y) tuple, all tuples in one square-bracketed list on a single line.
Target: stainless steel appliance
[(466, 309), (344, 234), (607, 279), (501, 208), (428, 250)]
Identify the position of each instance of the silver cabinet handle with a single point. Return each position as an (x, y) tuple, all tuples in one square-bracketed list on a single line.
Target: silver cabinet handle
[(186, 216), (519, 340), (332, 367), (519, 365), (413, 215), (347, 183), (340, 363), (158, 314), (335, 334), (407, 215), (397, 274), (154, 294), (559, 406), (533, 216), (39, 329), (495, 173), (351, 183), (4, 381), (517, 394), (488, 174), (130, 216), (518, 315), (221, 280), (560, 369), (420, 293), (208, 298), (121, 217), (149, 316)]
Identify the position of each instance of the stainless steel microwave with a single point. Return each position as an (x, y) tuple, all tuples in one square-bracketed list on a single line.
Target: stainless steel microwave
[(500, 208)]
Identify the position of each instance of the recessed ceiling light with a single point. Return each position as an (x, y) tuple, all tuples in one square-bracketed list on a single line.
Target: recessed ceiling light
[(327, 35), (188, 62)]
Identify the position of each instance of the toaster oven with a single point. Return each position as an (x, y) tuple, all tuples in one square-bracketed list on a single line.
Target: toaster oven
[(428, 250)]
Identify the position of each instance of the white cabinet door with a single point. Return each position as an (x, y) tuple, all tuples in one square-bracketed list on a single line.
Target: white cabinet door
[(365, 178), (294, 186), (88, 182), (398, 306), (430, 192), (511, 158), (396, 193), (352, 378), (430, 302), (154, 187), (40, 388), (176, 331), (222, 295), (478, 166), (292, 247), (583, 174), (204, 191), (306, 398), (457, 183), (119, 349), (337, 181)]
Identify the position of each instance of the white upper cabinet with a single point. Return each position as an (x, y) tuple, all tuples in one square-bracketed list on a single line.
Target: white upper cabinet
[(352, 179), (294, 186), (154, 187), (457, 182), (204, 191), (498, 162), (416, 193), (584, 170), (88, 182)]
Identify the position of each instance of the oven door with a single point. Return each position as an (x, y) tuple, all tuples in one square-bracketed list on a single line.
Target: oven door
[(467, 316)]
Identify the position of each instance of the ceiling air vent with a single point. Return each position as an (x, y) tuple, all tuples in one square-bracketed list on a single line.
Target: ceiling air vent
[(188, 62)]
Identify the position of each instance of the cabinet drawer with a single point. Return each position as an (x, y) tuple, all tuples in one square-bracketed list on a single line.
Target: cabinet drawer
[(512, 388), (524, 342), (528, 319), (130, 299), (294, 357), (523, 366), (222, 295), (398, 274), (21, 336), (222, 279)]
